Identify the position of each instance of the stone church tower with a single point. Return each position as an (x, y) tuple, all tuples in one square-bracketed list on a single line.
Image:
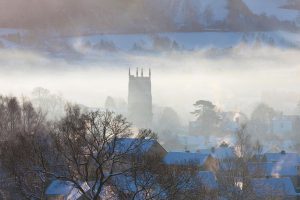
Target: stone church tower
[(140, 99)]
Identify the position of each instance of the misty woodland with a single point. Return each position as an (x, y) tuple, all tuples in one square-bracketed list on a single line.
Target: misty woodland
[(149, 100)]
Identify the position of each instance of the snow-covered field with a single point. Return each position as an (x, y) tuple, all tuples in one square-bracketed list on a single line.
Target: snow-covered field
[(215, 10), (7, 31), (11, 38), (194, 41)]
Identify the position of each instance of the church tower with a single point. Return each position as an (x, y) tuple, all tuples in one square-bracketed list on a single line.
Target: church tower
[(140, 99)]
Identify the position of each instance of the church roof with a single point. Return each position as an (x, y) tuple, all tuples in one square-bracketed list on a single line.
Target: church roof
[(208, 179)]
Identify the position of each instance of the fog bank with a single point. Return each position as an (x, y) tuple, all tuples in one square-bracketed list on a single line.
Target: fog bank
[(235, 79)]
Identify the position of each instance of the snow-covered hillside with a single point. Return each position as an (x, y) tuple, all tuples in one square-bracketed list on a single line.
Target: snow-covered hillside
[(8, 37), (202, 12), (190, 41), (280, 9), (71, 17), (158, 42), (152, 25)]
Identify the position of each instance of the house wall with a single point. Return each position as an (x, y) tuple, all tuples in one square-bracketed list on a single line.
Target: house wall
[(296, 182), (211, 164), (282, 126), (157, 149)]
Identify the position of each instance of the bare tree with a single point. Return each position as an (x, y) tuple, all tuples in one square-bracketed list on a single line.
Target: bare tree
[(234, 177), (97, 148), (23, 134), (92, 148)]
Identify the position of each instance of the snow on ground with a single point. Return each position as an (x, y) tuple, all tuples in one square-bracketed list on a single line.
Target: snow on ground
[(194, 40), (7, 31), (272, 8), (218, 8), (122, 41), (7, 44), (159, 41), (215, 10)]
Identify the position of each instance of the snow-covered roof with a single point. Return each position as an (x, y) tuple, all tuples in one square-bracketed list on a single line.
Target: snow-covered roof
[(291, 158), (66, 189), (220, 153), (208, 179), (129, 184), (202, 179), (124, 183), (134, 145), (291, 118), (184, 158), (277, 169), (273, 187)]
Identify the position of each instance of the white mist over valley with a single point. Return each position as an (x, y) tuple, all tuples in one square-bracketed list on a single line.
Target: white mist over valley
[(235, 81), (150, 99)]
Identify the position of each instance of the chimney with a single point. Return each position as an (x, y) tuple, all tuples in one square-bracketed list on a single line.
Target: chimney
[(213, 150), (283, 152), (137, 72)]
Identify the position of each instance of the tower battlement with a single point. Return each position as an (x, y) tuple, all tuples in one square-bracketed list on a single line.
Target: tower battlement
[(141, 75), (140, 99)]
